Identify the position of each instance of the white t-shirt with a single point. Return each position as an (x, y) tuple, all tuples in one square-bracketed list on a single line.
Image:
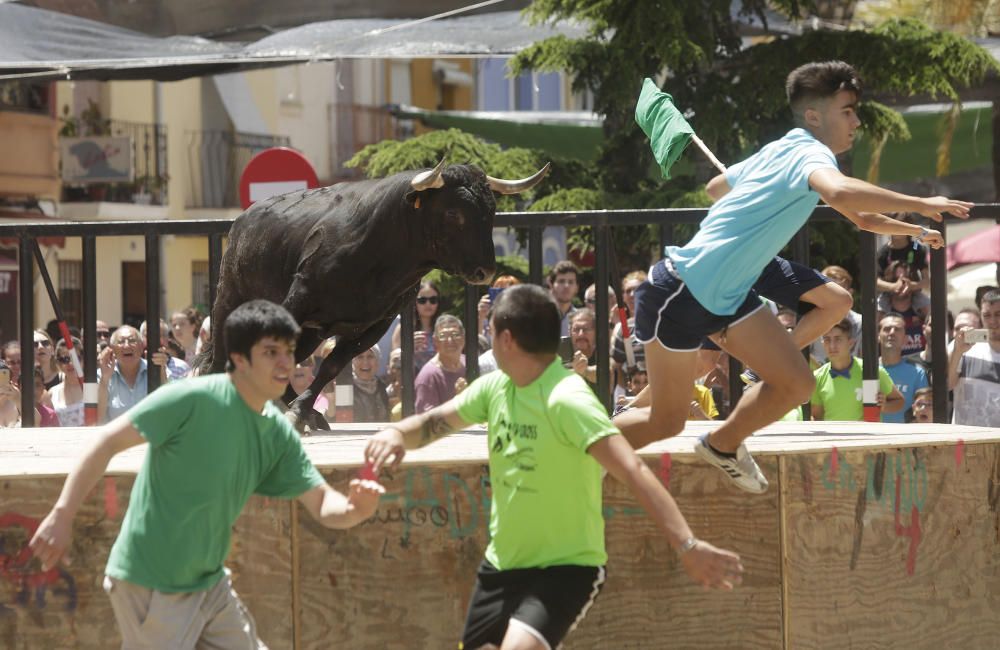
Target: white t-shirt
[(70, 415), (977, 394)]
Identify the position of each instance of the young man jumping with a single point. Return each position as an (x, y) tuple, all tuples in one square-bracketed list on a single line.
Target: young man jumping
[(705, 287), (213, 441), (548, 438)]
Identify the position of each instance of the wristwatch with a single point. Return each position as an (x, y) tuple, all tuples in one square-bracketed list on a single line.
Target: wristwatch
[(687, 545), (923, 233)]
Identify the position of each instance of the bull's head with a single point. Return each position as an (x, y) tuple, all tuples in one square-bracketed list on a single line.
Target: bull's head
[(458, 204)]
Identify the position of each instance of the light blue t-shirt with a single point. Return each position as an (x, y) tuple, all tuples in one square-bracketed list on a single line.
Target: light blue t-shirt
[(769, 200), (909, 378)]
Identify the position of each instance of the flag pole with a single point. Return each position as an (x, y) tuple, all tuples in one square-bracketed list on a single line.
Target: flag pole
[(708, 153)]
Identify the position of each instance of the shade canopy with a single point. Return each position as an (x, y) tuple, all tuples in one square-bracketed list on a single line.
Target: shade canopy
[(36, 43)]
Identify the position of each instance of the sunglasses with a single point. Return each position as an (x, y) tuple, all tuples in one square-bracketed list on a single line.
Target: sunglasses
[(65, 359), (423, 300), (103, 333), (42, 344)]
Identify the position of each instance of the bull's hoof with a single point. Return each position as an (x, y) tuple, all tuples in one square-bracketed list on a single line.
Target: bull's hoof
[(296, 421)]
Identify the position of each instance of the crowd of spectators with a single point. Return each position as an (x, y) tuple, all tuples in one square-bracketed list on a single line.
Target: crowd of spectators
[(905, 394)]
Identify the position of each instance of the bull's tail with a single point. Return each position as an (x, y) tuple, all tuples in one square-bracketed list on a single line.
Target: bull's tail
[(203, 361)]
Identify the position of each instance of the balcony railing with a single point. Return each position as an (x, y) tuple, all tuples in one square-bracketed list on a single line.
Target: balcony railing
[(215, 161), (149, 156)]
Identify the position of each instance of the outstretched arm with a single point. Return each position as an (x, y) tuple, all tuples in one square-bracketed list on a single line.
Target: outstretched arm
[(389, 445), (54, 533), (883, 225), (704, 563), (851, 196), (335, 510)]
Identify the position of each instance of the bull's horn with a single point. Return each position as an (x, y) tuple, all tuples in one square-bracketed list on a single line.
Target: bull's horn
[(514, 187), (429, 179)]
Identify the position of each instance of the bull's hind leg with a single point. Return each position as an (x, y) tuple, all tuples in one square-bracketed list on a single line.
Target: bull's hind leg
[(308, 341)]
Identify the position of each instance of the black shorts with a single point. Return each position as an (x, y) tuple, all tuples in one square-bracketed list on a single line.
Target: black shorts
[(548, 603), (783, 282), (668, 312)]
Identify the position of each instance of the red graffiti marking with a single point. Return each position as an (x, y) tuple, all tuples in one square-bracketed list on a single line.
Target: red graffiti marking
[(110, 498), (665, 463), (959, 453), (834, 464), (912, 531), (14, 567)]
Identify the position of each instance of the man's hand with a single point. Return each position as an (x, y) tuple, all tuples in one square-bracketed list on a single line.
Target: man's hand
[(933, 238), (363, 496), (713, 568), (52, 538), (106, 361), (385, 448), (935, 206), (961, 345), (161, 358), (580, 363)]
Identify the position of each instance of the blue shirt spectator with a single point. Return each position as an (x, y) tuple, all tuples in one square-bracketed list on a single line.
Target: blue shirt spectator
[(906, 375)]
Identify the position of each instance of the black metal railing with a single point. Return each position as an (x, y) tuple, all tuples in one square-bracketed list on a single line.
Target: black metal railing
[(149, 156), (215, 161), (533, 222)]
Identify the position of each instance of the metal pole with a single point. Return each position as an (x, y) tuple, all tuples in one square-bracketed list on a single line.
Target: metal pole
[(89, 330), (601, 270), (939, 329), (535, 261), (406, 356), (471, 332), (152, 310), (869, 329), (27, 289)]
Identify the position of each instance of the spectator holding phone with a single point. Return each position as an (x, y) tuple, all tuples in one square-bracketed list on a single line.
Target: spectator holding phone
[(974, 368), (10, 399)]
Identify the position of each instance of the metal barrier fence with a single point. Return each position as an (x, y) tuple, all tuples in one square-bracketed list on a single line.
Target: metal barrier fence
[(533, 222)]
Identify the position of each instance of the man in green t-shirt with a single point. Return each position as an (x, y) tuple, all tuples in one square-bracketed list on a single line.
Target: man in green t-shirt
[(548, 439), (213, 441), (838, 392)]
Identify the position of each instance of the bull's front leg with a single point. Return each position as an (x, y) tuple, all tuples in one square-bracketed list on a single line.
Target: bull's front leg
[(300, 410)]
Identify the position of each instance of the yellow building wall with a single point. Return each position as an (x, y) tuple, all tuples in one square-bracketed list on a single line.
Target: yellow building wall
[(181, 112), (132, 101)]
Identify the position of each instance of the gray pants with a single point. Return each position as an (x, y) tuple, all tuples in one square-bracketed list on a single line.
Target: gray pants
[(214, 619)]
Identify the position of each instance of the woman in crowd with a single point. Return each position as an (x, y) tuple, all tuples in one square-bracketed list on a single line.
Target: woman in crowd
[(428, 308), (185, 325), (11, 354), (371, 402), (67, 395), (45, 359)]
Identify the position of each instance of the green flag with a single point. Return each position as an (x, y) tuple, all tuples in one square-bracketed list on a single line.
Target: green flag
[(667, 130)]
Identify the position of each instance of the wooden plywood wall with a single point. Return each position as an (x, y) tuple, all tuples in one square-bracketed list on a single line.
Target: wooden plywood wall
[(893, 549), (834, 559)]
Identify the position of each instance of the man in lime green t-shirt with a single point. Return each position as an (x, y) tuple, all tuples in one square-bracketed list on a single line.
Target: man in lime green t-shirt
[(837, 395), (548, 438), (213, 441)]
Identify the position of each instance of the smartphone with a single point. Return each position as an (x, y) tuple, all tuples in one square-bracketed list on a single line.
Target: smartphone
[(493, 292), (977, 336), (566, 349), (4, 376)]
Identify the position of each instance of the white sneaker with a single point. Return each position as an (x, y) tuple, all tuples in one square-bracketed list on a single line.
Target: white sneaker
[(742, 470)]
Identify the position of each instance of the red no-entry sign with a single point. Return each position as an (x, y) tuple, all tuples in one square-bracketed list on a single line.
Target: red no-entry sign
[(275, 171)]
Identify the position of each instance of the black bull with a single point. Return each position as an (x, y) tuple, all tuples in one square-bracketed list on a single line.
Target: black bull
[(345, 259)]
